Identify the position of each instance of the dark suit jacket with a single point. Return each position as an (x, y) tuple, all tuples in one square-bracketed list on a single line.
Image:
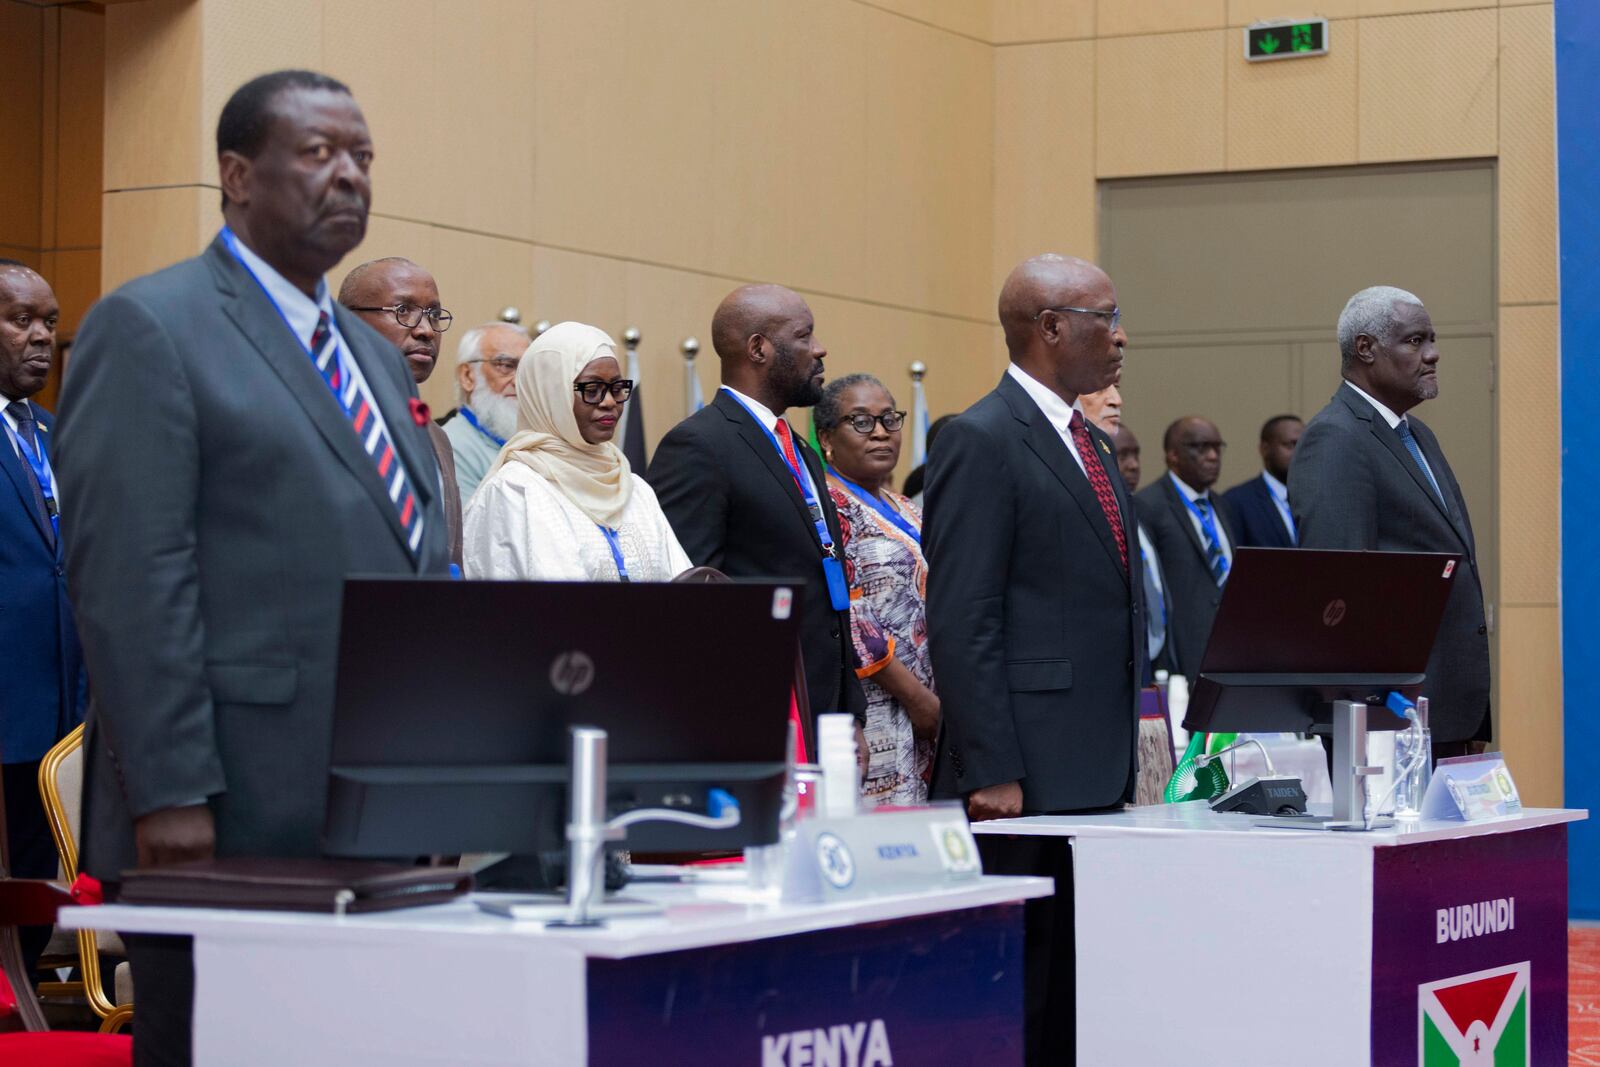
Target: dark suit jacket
[(1034, 627), (1255, 517), (1356, 487), (41, 696), (452, 492), (734, 505), (1192, 593), (218, 499)]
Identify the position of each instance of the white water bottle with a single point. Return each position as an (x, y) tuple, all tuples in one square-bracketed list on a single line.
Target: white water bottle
[(836, 754), (1177, 708)]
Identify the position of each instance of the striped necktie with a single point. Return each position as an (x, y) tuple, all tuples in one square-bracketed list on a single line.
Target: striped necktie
[(1214, 557), (353, 397), (1409, 439)]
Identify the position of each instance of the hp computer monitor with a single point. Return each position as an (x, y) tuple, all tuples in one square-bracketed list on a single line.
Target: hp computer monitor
[(454, 700)]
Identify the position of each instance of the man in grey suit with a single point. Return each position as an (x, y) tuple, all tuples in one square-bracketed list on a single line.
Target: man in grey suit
[(234, 445), (1366, 475)]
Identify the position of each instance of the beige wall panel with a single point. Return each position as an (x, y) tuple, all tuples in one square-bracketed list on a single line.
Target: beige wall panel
[(581, 156), (1445, 105), (81, 131), (147, 229), (1403, 7), (1244, 12), (1527, 156), (1530, 455), (242, 40), (1293, 114), (971, 18), (482, 148), (666, 306), (1044, 186), (75, 277), (571, 286), (155, 133), (392, 237), (1160, 104), (398, 85), (1018, 21), (31, 256), (49, 144), (21, 88), (1528, 721), (930, 120), (1118, 18)]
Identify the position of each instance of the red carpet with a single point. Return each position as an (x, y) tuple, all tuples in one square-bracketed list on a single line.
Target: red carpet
[(1583, 996)]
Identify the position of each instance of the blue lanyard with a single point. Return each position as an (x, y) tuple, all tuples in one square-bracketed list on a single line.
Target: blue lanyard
[(881, 506), (802, 480), (39, 463), (1204, 515), (338, 350), (472, 420), (616, 551)]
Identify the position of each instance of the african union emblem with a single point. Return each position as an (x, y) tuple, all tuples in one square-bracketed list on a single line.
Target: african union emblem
[(1477, 1018)]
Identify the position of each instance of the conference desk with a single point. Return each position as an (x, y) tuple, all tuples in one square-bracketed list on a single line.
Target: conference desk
[(1205, 940), (719, 978)]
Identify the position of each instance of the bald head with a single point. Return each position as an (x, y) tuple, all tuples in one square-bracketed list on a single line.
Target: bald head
[(1070, 352), (389, 283), (766, 339)]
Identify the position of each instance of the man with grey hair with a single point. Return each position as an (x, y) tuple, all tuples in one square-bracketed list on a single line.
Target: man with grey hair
[(1367, 475), (486, 380)]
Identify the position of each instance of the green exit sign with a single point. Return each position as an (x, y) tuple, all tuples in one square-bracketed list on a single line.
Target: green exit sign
[(1286, 39)]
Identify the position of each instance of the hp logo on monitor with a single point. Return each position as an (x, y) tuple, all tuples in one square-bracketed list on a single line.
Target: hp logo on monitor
[(571, 673), (1333, 614)]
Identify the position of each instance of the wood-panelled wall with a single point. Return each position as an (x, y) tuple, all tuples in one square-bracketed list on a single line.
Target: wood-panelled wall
[(626, 162)]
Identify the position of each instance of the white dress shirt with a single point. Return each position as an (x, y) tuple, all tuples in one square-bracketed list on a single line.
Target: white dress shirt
[(1058, 411), (519, 525), (1394, 422), (1194, 520), (1280, 498), (765, 416)]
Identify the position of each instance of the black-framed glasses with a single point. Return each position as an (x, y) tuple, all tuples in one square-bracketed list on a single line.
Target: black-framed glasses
[(408, 315), (862, 423), (504, 364), (594, 392), (1114, 315)]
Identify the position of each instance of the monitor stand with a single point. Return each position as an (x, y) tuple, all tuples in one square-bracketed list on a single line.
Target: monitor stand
[(1350, 772)]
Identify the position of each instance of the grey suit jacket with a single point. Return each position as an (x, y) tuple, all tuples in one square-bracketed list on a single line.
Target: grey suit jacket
[(1192, 593), (219, 499), (1353, 485)]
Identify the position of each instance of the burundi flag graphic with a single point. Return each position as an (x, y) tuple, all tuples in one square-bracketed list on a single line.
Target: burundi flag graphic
[(1475, 1019)]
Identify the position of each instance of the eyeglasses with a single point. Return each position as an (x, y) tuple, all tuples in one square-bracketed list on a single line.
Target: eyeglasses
[(862, 423), (504, 364), (1114, 315), (1200, 448), (408, 315), (594, 392)]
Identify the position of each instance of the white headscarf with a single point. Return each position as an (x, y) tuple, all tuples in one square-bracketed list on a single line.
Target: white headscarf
[(595, 478)]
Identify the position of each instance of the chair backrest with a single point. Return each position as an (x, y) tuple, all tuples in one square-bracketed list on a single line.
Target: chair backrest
[(61, 788)]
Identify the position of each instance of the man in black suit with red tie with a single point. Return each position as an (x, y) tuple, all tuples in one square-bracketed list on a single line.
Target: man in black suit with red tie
[(1034, 615), (746, 495)]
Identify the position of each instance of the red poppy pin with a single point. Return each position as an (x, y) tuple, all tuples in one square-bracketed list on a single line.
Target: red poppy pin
[(419, 412)]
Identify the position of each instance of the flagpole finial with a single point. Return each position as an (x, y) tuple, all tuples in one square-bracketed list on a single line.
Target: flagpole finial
[(690, 348), (630, 337), (541, 326), (510, 314), (918, 370)]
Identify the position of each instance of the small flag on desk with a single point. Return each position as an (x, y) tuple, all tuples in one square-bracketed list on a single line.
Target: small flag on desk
[(1189, 780)]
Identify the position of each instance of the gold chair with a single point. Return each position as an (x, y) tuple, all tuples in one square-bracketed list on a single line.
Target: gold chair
[(61, 786)]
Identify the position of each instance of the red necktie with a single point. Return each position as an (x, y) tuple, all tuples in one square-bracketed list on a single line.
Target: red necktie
[(1100, 482), (787, 441)]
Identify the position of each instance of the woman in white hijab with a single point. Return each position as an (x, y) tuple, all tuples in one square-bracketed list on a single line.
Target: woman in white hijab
[(560, 503)]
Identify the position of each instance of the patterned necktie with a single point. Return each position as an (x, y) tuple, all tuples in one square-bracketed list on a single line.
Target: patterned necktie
[(27, 430), (358, 407), (1409, 439), (1214, 557), (1100, 482)]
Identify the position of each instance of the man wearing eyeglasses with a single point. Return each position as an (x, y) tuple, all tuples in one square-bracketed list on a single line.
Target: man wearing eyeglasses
[(486, 381), (1192, 530), (1035, 622), (401, 301)]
